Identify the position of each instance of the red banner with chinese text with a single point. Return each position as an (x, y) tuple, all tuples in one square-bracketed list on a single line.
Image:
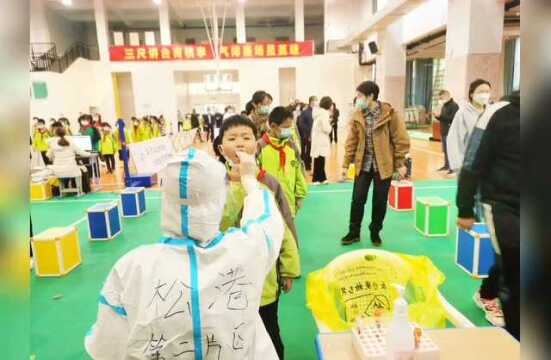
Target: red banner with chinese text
[(203, 52)]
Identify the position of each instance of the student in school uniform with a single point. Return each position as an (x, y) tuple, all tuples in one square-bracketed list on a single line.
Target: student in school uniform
[(135, 130), (280, 157), (145, 129), (66, 125), (156, 127), (238, 133), (108, 146), (40, 139)]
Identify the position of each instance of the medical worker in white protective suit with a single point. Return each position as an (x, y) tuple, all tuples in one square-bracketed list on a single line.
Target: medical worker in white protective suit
[(196, 294)]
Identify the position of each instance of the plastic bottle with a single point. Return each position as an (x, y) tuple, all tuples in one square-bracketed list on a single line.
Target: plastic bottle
[(400, 339)]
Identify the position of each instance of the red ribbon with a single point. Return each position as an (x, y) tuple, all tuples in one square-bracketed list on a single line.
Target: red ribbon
[(280, 148)]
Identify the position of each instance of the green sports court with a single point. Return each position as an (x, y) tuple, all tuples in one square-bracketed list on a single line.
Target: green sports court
[(67, 306)]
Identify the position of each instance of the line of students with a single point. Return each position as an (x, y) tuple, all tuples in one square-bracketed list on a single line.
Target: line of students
[(104, 140)]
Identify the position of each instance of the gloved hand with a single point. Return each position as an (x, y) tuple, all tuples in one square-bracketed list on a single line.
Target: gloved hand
[(247, 170)]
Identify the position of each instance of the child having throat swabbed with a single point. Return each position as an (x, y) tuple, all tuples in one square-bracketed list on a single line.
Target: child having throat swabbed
[(238, 135), (196, 293)]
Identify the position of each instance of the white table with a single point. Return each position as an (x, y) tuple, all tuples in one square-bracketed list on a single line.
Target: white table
[(483, 343)]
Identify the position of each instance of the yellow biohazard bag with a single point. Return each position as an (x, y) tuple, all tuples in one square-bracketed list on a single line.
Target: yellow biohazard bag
[(360, 282)]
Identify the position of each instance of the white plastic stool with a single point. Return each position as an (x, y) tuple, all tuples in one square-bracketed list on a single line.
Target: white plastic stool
[(70, 190)]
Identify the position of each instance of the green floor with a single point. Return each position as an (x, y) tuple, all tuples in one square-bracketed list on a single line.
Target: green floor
[(64, 308)]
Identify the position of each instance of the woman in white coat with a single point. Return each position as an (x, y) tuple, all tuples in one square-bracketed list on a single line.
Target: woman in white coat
[(321, 144), (464, 122), (62, 152)]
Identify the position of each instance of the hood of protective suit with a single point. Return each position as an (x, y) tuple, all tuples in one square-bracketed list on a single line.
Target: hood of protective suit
[(194, 194)]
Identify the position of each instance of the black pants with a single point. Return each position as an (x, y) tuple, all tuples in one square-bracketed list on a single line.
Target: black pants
[(489, 289), (333, 134), (45, 158), (210, 133), (444, 129), (110, 161), (359, 198), (319, 169), (506, 224), (306, 145), (268, 313)]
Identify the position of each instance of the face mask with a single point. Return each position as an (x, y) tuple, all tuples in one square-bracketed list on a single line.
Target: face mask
[(285, 133), (482, 98), (264, 110), (361, 104)]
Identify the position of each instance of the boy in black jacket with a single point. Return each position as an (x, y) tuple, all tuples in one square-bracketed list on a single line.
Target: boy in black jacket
[(492, 167)]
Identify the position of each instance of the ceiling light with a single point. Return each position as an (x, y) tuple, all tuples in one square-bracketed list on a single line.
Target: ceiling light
[(67, 2), (158, 2), (242, 1)]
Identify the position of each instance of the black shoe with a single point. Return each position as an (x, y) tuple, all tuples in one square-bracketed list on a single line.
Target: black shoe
[(451, 172), (350, 239), (443, 168), (376, 239)]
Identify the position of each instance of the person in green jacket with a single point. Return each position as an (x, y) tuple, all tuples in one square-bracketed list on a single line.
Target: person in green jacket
[(108, 146), (238, 135), (280, 157), (86, 128), (40, 139)]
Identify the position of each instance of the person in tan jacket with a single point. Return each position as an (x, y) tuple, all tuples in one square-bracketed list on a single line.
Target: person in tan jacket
[(377, 144)]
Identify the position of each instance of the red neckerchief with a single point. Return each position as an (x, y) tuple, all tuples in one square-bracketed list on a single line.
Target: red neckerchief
[(280, 148), (261, 175)]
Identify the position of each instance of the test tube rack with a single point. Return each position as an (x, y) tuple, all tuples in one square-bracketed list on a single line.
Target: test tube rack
[(370, 344)]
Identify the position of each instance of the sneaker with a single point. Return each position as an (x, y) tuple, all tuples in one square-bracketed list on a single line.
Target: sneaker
[(376, 238), (350, 239), (316, 183), (325, 182), (492, 308), (495, 316)]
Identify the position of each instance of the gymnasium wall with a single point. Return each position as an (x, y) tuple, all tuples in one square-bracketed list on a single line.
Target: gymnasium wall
[(88, 84)]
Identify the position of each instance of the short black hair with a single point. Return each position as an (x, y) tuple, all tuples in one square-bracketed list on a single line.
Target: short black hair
[(40, 121), (369, 88), (278, 115), (57, 124), (231, 122), (326, 102), (475, 84)]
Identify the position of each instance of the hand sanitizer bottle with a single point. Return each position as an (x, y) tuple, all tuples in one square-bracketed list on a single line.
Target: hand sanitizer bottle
[(400, 340)]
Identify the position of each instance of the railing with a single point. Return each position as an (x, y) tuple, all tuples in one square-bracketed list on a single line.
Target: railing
[(47, 60), (42, 56)]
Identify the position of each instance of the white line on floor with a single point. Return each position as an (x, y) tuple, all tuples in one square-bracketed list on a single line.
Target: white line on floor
[(86, 200), (418, 188), (78, 221)]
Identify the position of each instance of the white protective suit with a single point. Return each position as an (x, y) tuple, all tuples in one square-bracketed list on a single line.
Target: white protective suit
[(196, 294), (462, 126)]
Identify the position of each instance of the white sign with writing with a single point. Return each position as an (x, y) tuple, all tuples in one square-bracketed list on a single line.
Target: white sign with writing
[(151, 156), (184, 139)]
